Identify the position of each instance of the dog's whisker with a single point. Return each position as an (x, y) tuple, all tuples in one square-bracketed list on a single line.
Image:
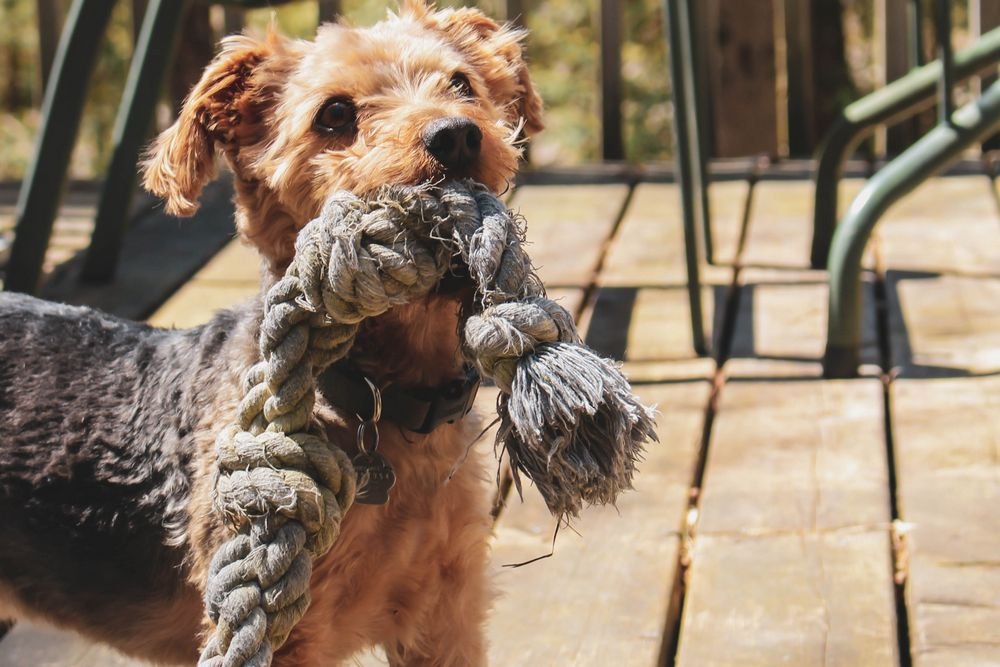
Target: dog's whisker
[(468, 448)]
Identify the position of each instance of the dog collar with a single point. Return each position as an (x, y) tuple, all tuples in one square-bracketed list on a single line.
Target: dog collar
[(418, 409)]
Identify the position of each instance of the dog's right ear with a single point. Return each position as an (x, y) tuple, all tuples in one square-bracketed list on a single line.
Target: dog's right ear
[(221, 112)]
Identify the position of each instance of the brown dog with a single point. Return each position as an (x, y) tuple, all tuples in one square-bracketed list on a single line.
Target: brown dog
[(115, 543), (421, 97)]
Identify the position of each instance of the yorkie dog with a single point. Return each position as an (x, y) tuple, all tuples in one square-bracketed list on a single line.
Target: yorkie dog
[(107, 426)]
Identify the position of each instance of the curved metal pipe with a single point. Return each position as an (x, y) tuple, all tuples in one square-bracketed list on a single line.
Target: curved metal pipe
[(931, 154)]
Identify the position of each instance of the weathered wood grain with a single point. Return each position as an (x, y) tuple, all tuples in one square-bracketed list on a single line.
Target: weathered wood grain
[(649, 249), (780, 230), (796, 599), (568, 226), (791, 559), (780, 327), (942, 259), (602, 598)]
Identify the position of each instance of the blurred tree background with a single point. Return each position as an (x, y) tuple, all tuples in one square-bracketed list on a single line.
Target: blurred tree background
[(562, 47)]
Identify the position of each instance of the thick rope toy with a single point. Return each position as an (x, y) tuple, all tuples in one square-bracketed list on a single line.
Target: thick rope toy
[(569, 420)]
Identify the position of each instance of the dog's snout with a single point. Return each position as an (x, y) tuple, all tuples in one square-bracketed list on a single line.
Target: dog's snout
[(453, 141)]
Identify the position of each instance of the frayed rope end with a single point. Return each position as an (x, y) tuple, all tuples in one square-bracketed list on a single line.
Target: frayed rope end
[(575, 427)]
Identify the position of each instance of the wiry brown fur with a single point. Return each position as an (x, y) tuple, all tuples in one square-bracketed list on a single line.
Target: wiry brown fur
[(409, 575)]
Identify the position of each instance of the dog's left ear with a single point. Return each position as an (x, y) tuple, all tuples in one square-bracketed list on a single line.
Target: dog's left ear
[(220, 114), (495, 50)]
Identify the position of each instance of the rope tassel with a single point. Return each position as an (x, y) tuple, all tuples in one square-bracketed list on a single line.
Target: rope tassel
[(569, 420)]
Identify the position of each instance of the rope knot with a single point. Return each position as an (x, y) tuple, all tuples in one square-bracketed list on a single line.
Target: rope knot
[(569, 418), (503, 334)]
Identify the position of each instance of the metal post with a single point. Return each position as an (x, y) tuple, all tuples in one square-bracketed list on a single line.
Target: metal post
[(135, 114), (688, 176), (62, 107), (901, 98), (932, 153), (697, 125)]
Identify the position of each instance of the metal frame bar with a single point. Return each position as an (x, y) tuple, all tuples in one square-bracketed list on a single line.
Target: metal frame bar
[(153, 52), (898, 100), (928, 156), (690, 165), (62, 108)]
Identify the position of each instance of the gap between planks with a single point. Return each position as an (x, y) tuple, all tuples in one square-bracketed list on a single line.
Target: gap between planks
[(775, 462)]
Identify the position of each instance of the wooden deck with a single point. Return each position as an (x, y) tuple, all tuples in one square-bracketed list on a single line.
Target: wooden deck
[(784, 519)]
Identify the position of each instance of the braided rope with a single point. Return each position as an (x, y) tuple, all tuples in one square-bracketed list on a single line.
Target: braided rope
[(568, 418), (281, 484)]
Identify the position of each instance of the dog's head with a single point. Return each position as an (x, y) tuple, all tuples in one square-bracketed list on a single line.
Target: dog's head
[(422, 96)]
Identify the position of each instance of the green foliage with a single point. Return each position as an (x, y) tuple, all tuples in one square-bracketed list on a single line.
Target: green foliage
[(563, 50)]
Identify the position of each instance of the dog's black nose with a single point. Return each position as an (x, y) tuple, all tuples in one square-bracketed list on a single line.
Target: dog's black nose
[(453, 141)]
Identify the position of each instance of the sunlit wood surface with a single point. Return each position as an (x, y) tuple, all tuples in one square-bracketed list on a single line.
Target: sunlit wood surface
[(776, 517)]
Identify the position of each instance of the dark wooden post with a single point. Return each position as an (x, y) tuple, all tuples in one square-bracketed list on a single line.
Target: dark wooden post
[(801, 77), (515, 12), (233, 20), (199, 47), (612, 138), (743, 77), (894, 51), (329, 10)]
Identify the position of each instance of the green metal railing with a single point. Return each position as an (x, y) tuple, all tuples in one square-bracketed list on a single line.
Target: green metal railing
[(894, 103), (956, 131), (62, 107), (692, 165)]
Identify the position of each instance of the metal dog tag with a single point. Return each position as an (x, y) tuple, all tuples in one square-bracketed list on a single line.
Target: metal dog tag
[(375, 478)]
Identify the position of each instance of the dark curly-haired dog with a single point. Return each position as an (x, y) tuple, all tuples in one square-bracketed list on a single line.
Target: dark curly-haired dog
[(107, 426)]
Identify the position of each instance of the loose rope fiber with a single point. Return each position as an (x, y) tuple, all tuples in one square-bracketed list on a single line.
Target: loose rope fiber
[(569, 420)]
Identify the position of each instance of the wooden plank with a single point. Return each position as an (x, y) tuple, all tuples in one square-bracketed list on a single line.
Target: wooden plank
[(602, 599), (794, 599), (796, 483), (38, 646), (948, 445), (796, 455), (648, 329), (984, 15), (640, 312), (796, 491), (892, 56), (943, 277), (780, 328), (799, 66), (948, 225), (649, 248), (941, 251), (780, 230), (612, 135), (744, 77), (157, 257), (568, 226)]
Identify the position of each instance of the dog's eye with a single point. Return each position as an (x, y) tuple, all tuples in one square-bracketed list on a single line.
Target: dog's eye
[(460, 84), (336, 116)]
